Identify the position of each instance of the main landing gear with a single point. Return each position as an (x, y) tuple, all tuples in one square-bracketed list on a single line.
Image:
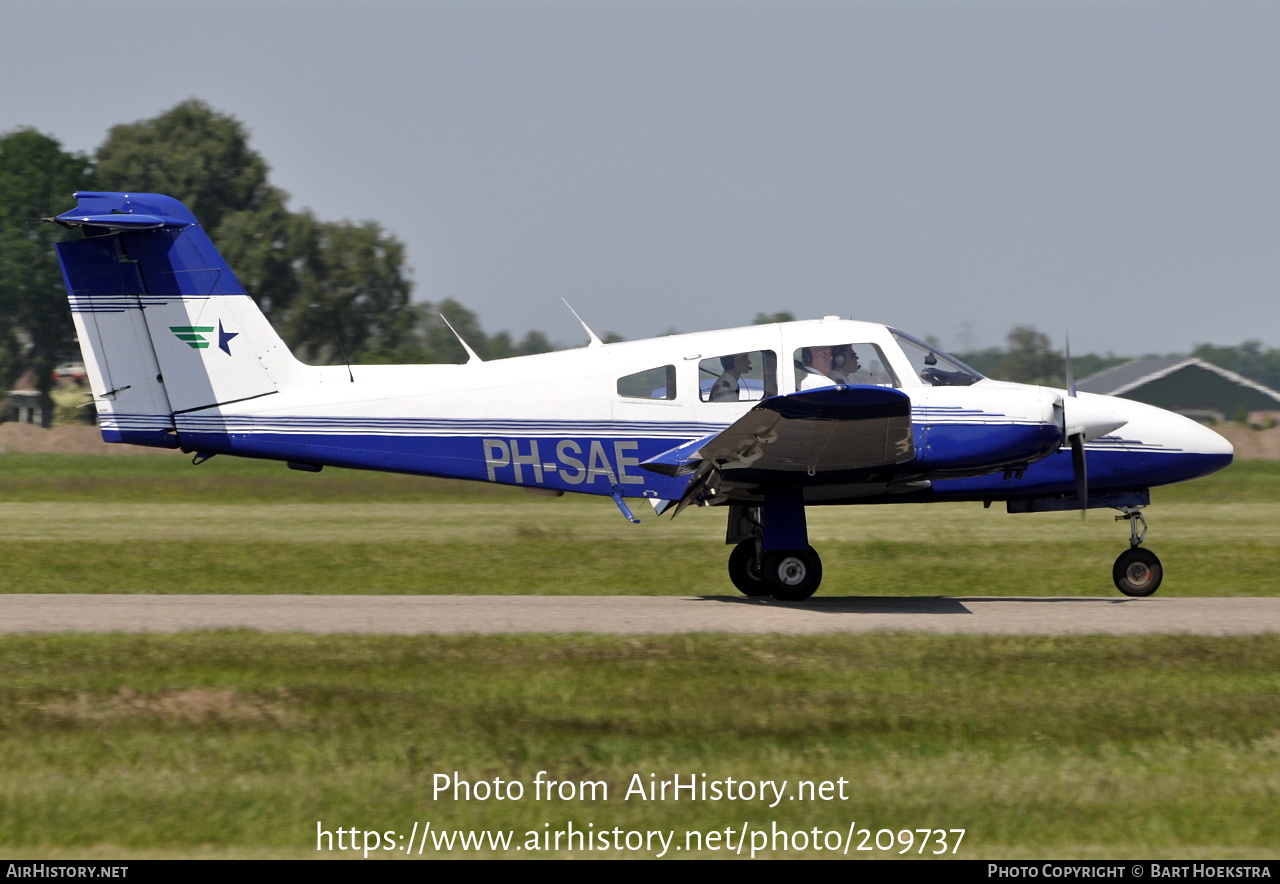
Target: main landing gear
[(1137, 571), (789, 575), (772, 556)]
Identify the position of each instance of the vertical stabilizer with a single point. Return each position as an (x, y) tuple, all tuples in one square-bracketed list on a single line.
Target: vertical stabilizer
[(164, 323)]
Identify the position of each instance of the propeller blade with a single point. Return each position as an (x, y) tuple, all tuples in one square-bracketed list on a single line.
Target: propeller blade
[(1080, 472), (1071, 374)]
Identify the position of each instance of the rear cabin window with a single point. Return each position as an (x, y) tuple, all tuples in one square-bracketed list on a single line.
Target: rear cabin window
[(652, 383), (738, 377)]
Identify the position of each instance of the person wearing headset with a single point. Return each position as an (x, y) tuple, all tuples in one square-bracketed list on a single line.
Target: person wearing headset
[(726, 387), (819, 368)]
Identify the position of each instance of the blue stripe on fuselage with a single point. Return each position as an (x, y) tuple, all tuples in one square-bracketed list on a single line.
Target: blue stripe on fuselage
[(590, 465), (595, 456)]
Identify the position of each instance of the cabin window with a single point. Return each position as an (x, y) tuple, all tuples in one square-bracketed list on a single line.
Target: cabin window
[(652, 383), (844, 363), (738, 377)]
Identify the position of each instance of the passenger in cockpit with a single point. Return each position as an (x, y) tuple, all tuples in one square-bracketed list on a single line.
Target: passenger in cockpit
[(726, 387)]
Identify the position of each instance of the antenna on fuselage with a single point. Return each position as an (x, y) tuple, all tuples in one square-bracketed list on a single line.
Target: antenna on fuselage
[(595, 341), (472, 354), (346, 361)]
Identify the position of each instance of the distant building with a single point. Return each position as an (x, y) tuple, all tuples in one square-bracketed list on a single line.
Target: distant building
[(27, 406), (1188, 386)]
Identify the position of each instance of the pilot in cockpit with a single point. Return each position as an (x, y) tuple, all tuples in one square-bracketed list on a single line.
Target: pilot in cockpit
[(817, 368)]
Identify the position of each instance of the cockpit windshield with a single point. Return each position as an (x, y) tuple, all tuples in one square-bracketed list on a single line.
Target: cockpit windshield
[(932, 366)]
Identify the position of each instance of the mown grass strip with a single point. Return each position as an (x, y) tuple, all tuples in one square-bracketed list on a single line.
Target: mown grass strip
[(170, 477), (238, 743), (263, 529)]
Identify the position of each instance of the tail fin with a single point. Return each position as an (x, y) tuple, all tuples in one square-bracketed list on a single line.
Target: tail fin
[(165, 326)]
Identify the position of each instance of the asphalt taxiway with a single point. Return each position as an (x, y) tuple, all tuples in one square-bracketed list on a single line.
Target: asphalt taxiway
[(634, 615)]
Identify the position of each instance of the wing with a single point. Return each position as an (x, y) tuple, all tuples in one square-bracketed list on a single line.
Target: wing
[(828, 430)]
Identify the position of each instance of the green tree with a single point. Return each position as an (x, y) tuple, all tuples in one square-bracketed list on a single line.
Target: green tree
[(770, 318), (439, 343), (349, 292), (1030, 359), (333, 290), (535, 342), (37, 180), (194, 154), (264, 246)]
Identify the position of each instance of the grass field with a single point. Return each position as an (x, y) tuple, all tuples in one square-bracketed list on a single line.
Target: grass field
[(236, 744), (226, 744), (159, 525)]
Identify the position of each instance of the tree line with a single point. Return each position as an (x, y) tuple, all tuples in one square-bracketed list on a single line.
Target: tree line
[(335, 290), (1030, 358)]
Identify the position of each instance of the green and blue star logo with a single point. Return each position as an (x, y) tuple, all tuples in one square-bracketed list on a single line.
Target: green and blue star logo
[(194, 336)]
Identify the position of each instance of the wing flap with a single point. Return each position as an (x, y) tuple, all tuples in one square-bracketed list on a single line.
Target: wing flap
[(833, 429)]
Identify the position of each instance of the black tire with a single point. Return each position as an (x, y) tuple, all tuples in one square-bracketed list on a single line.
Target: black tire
[(792, 575), (1137, 572), (745, 572)]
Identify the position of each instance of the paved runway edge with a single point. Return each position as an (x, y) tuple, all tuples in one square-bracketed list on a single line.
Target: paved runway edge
[(634, 615)]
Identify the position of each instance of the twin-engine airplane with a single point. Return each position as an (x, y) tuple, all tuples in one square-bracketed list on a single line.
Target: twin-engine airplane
[(765, 420)]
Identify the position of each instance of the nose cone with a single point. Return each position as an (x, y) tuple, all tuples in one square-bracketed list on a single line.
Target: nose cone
[(1204, 441), (1209, 451), (1175, 447)]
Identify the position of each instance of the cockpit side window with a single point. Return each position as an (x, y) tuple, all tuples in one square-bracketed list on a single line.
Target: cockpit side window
[(842, 363), (738, 377), (652, 383), (932, 366)]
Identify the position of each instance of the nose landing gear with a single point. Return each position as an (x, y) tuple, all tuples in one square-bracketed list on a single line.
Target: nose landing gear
[(1137, 571)]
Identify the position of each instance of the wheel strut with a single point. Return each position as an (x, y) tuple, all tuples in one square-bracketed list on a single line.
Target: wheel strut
[(1134, 515)]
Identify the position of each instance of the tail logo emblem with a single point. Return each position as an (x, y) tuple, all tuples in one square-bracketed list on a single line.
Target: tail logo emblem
[(224, 339), (194, 336)]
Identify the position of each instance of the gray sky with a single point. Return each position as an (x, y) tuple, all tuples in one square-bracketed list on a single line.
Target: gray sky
[(1109, 168)]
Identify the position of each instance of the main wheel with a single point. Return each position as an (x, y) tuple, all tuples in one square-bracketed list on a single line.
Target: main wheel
[(1137, 572), (792, 575), (744, 570)]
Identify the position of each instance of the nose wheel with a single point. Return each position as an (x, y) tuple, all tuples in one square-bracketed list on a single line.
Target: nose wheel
[(1137, 571)]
